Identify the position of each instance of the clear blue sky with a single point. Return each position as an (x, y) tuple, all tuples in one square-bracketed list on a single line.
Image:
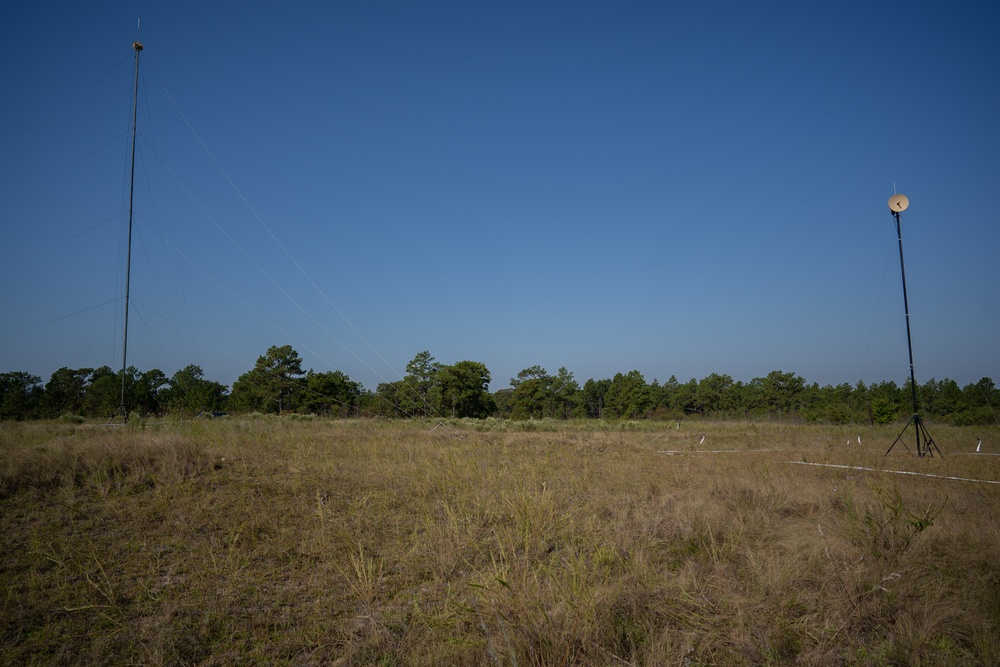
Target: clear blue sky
[(678, 188)]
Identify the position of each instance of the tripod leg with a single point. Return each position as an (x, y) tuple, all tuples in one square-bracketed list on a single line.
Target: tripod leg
[(899, 438), (929, 441)]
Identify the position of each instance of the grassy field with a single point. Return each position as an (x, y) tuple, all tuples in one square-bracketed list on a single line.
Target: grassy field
[(294, 541)]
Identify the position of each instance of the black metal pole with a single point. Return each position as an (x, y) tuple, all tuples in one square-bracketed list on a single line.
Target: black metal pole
[(128, 261), (909, 342), (899, 203)]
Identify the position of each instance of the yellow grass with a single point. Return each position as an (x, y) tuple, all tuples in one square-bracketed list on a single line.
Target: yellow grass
[(276, 541)]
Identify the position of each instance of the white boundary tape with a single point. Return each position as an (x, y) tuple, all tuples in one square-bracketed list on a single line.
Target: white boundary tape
[(671, 452), (895, 472), (826, 465)]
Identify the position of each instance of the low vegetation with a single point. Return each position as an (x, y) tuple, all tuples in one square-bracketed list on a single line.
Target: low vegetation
[(269, 540)]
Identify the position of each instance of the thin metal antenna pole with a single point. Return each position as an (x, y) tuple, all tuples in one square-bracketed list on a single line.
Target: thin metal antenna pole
[(897, 204), (128, 261), (909, 341)]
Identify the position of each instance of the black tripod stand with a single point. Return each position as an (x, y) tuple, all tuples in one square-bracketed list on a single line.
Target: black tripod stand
[(898, 204), (929, 446)]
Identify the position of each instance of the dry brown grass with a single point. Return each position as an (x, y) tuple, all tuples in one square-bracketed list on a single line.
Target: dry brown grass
[(274, 541)]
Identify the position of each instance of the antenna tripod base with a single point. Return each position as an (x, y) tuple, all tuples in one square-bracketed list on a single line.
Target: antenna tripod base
[(119, 418), (927, 448)]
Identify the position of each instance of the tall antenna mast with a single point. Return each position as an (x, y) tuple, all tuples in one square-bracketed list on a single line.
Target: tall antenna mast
[(122, 409), (897, 204)]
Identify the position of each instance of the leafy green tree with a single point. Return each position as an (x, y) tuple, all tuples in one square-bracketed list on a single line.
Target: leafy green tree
[(949, 400), (753, 398), (145, 397), (593, 396), (982, 402), (781, 392), (861, 403), (367, 402), (739, 398), (421, 378), (886, 402), (20, 395), (714, 395), (65, 391), (331, 393), (533, 395), (390, 398), (628, 396), (417, 394), (188, 392), (104, 391), (274, 384), (566, 395), (928, 397), (465, 389), (665, 398), (685, 397), (883, 411), (809, 401), (503, 402), (837, 404)]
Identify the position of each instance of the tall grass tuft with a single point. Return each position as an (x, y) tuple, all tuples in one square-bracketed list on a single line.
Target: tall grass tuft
[(102, 459)]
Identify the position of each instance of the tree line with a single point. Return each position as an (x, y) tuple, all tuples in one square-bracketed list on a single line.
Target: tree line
[(278, 384)]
